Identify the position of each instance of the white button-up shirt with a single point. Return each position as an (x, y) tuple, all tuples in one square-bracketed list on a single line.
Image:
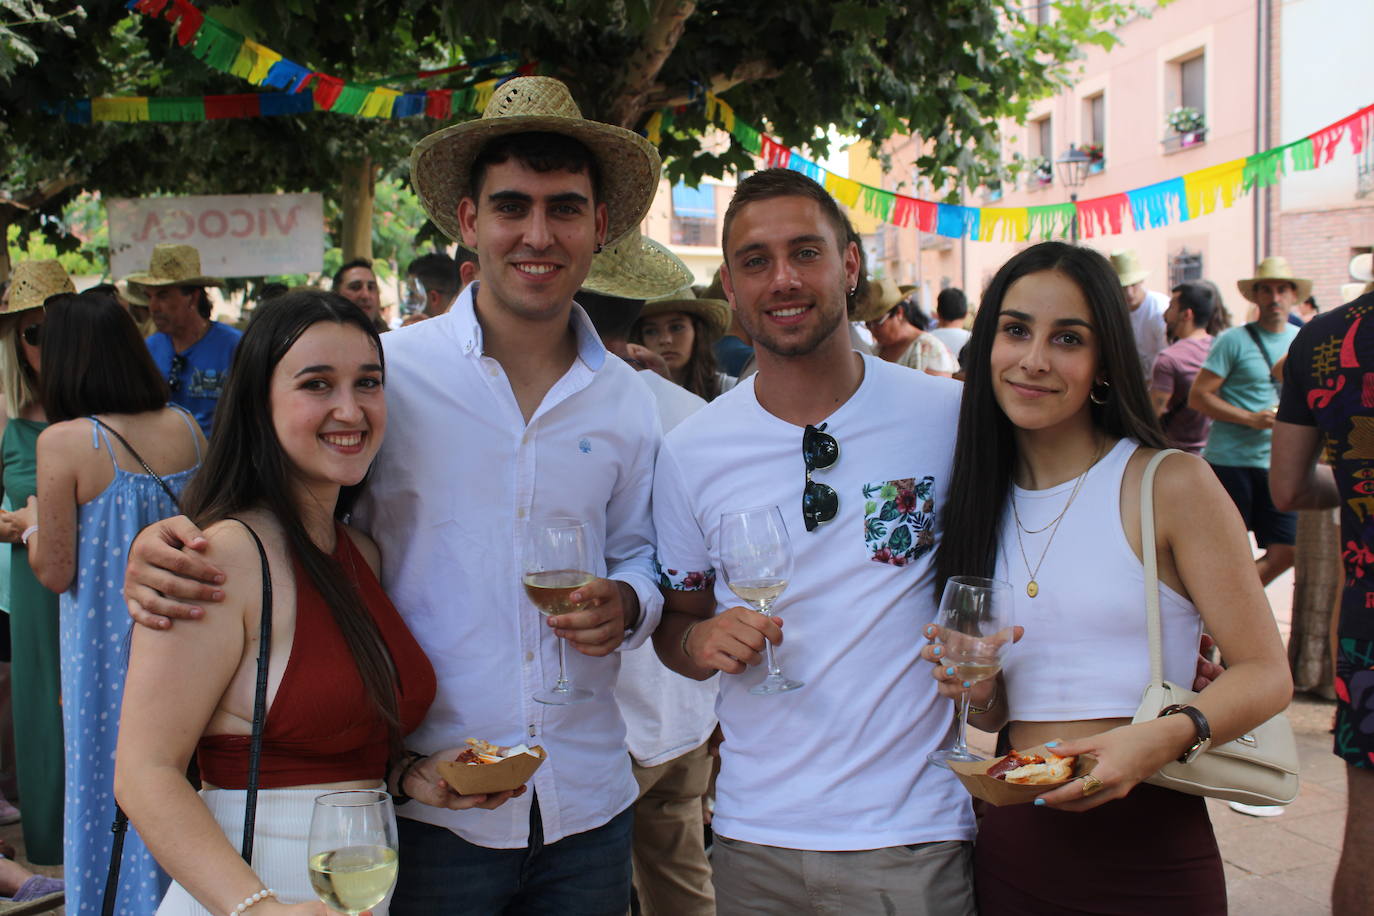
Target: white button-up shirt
[(459, 472)]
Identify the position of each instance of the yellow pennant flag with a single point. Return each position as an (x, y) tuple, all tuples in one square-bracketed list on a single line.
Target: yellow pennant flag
[(243, 60), (654, 129), (379, 103), (482, 94), (122, 109), (845, 190), (264, 58), (1203, 187), (727, 115), (1008, 224)]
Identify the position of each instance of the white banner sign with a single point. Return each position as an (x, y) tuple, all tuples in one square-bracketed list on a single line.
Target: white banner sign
[(242, 235)]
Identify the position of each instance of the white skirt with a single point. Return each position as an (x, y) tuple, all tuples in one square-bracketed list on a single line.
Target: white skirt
[(280, 842)]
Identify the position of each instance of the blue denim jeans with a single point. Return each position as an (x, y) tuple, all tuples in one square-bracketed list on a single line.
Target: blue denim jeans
[(586, 874)]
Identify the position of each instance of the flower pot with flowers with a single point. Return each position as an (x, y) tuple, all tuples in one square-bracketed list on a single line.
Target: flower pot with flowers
[(1096, 159), (1041, 172), (1188, 125)]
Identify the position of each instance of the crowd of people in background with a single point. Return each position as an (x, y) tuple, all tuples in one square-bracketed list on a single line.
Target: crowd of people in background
[(360, 485)]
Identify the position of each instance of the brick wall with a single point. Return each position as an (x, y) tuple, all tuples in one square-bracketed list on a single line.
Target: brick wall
[(1319, 244)]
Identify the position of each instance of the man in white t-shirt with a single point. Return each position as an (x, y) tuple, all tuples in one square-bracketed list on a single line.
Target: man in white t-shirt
[(951, 311), (825, 802), (1147, 308)]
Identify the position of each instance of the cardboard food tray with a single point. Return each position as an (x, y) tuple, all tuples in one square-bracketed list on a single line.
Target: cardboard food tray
[(999, 792), (486, 778)]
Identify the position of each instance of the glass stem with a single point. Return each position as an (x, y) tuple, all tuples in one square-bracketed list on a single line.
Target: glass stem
[(774, 669), (962, 745), (562, 685)]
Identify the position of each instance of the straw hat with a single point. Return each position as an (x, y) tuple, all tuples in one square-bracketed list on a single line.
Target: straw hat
[(882, 296), (1128, 269), (441, 164), (1274, 268), (133, 293), (636, 268), (33, 282), (1362, 267), (173, 265), (715, 312)]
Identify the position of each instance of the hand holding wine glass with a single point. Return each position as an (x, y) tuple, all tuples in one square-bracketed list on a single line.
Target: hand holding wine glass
[(352, 849), (757, 559), (975, 630), (556, 563)]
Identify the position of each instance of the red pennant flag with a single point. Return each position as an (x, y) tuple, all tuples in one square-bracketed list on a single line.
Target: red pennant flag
[(327, 92), (1102, 215), (218, 107), (150, 7), (189, 20), (927, 215), (903, 211), (773, 153), (439, 104)]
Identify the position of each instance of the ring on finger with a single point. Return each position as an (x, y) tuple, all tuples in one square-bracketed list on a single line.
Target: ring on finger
[(1091, 784)]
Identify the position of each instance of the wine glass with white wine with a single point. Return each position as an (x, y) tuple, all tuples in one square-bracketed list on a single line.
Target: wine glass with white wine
[(975, 629), (556, 562), (352, 849), (756, 556)]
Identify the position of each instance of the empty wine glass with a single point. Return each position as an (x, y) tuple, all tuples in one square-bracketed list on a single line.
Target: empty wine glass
[(975, 629), (352, 849), (556, 563), (756, 557)]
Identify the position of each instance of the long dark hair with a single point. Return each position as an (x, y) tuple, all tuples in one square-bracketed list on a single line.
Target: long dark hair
[(95, 361), (985, 450), (700, 374), (246, 468)]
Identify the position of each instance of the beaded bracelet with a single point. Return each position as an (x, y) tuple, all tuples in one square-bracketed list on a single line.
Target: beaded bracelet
[(252, 899)]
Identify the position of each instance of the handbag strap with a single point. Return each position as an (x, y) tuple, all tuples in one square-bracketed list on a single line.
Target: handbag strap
[(139, 458), (1151, 561), (121, 821)]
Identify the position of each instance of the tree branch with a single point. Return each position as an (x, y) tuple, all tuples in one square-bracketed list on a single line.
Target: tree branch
[(642, 69), (666, 97)]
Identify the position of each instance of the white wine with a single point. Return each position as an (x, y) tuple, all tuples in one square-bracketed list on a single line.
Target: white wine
[(758, 591), (355, 878), (550, 590), (976, 669)]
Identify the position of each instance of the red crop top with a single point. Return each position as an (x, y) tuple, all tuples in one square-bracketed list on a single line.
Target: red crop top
[(321, 727)]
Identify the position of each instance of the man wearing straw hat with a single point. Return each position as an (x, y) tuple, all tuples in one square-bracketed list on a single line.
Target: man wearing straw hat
[(1236, 388), (507, 408), (191, 351), (668, 718), (1147, 308)]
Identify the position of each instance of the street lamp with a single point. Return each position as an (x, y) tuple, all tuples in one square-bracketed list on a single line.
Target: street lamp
[(1073, 171)]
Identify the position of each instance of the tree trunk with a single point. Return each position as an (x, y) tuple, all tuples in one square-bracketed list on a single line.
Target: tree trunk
[(5, 265), (357, 192), (641, 70), (1317, 581)]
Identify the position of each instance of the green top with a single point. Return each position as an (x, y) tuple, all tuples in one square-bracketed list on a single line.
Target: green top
[(1247, 384)]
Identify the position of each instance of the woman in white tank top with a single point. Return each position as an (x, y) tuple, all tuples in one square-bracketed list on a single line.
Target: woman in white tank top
[(1054, 434)]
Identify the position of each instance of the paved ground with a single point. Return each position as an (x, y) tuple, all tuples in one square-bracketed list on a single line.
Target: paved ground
[(1280, 866)]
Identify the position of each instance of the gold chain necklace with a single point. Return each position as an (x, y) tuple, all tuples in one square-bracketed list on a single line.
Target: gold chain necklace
[(1032, 587)]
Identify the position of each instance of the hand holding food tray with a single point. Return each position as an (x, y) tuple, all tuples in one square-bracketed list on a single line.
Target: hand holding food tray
[(485, 769), (1017, 778)]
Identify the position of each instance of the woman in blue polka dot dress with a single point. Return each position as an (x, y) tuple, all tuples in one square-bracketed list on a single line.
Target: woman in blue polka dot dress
[(108, 464)]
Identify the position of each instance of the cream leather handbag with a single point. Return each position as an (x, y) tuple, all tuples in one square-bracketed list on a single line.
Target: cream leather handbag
[(1258, 768)]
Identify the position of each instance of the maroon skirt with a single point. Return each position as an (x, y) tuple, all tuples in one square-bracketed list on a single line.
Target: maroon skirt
[(1151, 852)]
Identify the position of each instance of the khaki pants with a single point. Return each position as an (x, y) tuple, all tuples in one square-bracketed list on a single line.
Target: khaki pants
[(671, 872), (925, 879)]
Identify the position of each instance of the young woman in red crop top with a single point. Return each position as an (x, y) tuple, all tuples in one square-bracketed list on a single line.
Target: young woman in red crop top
[(300, 420), (1055, 410)]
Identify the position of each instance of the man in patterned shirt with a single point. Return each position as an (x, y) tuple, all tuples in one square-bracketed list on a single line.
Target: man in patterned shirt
[(1328, 403)]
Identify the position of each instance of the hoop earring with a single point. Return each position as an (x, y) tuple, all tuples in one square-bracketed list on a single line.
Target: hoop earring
[(1100, 393), (598, 249)]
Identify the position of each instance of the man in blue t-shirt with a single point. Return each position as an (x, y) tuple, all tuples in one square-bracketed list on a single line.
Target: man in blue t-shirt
[(192, 352), (1236, 387)]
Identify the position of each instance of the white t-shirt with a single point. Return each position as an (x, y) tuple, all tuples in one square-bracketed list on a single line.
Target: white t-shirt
[(953, 339), (841, 763), (666, 714), (1147, 322)]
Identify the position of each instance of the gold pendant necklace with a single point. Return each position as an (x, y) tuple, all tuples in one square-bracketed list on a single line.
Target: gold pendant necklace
[(1032, 586)]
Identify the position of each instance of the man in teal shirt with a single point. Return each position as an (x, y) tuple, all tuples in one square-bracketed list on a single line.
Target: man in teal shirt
[(1237, 388)]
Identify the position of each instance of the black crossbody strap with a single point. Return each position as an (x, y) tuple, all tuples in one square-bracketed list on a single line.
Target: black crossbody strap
[(250, 809), (1254, 335), (139, 458)]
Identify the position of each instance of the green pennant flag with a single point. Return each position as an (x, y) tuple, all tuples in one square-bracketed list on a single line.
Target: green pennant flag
[(747, 136), (1301, 155), (351, 99), (217, 46), (879, 203), (176, 109), (463, 100), (1263, 169), (1052, 221)]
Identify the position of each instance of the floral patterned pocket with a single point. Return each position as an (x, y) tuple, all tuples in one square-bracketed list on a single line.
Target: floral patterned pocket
[(899, 519)]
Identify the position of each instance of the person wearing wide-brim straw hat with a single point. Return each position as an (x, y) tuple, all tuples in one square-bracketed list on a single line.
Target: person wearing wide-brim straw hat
[(1147, 307), (31, 636), (683, 330), (191, 351), (898, 328), (1274, 273)]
